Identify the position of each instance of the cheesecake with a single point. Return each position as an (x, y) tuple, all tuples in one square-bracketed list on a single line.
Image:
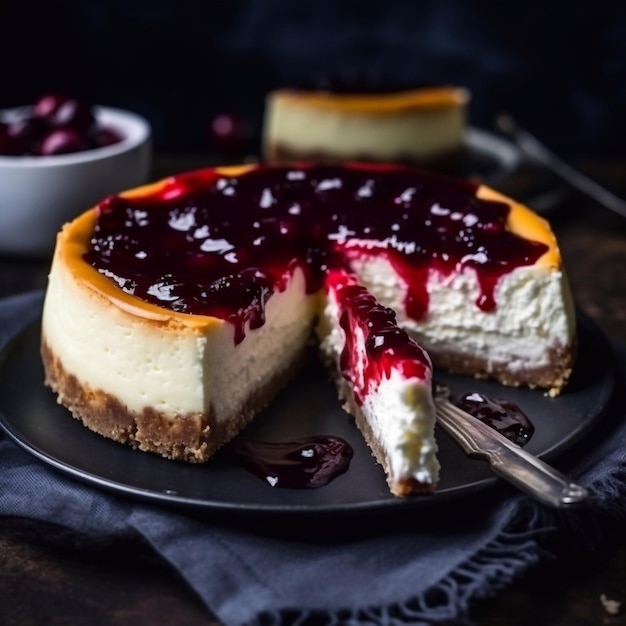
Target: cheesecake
[(176, 311), (425, 126), (384, 380)]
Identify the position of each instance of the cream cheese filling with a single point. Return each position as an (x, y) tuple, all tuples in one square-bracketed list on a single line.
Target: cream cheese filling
[(528, 322), (351, 134), (399, 410), (175, 370)]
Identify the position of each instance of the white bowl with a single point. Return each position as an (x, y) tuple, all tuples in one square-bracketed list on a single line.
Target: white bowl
[(38, 194)]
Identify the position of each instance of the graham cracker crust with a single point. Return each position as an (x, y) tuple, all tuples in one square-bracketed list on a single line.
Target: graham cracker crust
[(552, 377), (191, 437)]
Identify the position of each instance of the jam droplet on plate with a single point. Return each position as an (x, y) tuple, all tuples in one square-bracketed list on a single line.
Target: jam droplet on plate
[(502, 415), (306, 463)]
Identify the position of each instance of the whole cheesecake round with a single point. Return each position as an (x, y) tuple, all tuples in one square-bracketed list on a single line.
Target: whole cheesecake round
[(425, 126), (176, 311)]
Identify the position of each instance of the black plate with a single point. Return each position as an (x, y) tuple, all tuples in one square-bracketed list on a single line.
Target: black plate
[(30, 415)]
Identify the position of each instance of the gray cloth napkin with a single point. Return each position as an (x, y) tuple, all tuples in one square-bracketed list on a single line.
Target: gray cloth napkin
[(425, 566)]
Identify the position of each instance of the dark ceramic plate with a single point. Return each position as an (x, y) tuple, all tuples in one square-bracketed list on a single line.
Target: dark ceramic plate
[(31, 417)]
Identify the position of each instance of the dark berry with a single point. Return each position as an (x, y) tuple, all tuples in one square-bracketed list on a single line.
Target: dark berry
[(55, 124), (26, 133), (7, 145), (48, 104), (229, 133), (62, 141), (105, 136), (74, 114)]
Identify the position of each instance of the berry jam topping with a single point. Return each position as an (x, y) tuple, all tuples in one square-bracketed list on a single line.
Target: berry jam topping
[(305, 463), (386, 345), (213, 244), (54, 124), (502, 415)]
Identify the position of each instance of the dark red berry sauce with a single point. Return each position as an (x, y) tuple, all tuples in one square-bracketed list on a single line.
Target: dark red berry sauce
[(386, 345), (305, 463), (216, 245), (502, 415)]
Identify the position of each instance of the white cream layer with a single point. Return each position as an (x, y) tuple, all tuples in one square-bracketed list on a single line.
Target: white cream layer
[(401, 414)]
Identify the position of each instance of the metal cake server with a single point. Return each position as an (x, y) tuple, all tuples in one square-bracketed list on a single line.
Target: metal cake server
[(538, 152), (506, 459)]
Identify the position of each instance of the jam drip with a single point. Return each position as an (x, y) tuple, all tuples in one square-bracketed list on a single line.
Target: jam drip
[(213, 244), (306, 463), (504, 416), (386, 345)]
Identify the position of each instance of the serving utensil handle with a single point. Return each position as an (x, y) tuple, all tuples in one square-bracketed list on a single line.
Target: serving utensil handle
[(538, 152), (506, 459)]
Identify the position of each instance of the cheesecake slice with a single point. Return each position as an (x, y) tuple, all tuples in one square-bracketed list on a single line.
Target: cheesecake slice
[(384, 380), (424, 126)]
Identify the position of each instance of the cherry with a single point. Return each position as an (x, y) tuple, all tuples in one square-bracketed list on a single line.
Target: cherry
[(73, 113), (55, 124), (229, 133), (26, 133), (48, 104), (58, 110), (7, 145), (106, 136), (62, 141)]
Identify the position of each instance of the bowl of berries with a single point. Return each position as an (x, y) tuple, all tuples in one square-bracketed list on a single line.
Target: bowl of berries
[(58, 157)]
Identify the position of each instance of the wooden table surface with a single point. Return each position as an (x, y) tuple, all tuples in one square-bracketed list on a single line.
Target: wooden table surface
[(51, 576)]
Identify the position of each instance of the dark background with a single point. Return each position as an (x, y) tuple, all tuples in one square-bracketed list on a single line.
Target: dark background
[(559, 67)]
